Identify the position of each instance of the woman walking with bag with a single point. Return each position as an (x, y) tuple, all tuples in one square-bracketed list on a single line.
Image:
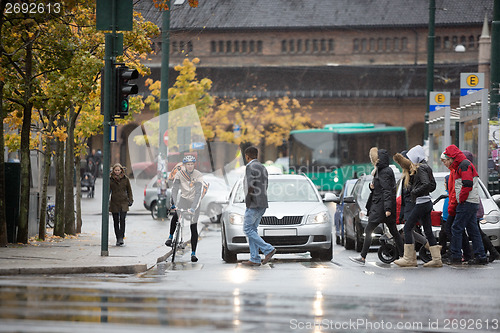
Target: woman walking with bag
[(421, 184), (121, 199)]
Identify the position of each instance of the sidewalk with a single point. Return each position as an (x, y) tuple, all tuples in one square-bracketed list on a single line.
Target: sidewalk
[(144, 244)]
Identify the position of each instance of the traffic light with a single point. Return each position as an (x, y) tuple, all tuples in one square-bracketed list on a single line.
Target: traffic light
[(124, 89)]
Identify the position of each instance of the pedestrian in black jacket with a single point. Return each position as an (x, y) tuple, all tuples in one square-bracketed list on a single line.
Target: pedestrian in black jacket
[(381, 205)]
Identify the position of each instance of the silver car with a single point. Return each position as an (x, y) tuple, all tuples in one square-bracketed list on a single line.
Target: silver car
[(296, 221), (213, 202), (151, 197)]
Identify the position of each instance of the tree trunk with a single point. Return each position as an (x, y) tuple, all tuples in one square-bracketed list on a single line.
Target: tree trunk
[(69, 208), (78, 196), (45, 183), (3, 217), (22, 231), (59, 202)]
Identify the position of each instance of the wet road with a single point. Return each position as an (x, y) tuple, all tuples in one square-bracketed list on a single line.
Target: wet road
[(290, 294)]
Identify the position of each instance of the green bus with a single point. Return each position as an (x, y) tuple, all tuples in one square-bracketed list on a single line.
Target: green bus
[(337, 152)]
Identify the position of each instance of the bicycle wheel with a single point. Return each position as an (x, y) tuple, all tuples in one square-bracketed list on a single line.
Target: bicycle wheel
[(175, 242)]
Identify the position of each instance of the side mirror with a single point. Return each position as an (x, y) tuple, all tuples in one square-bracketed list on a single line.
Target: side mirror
[(349, 200), (331, 197), (496, 198)]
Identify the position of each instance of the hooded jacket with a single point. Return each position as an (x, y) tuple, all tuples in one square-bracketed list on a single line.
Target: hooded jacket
[(423, 183), (463, 177), (383, 196)]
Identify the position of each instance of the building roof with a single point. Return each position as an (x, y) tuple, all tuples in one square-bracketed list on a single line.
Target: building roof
[(324, 81), (311, 14)]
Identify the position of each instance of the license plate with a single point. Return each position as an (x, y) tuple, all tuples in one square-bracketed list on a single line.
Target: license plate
[(280, 232)]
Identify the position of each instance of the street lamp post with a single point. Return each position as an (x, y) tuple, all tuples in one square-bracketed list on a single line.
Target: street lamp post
[(495, 58), (430, 64)]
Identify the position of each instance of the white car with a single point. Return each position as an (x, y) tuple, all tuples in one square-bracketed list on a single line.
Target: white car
[(296, 221)]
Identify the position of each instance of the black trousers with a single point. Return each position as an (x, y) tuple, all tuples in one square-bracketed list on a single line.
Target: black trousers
[(193, 227), (119, 223)]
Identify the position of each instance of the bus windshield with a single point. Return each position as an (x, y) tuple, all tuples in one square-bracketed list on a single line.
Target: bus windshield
[(318, 149)]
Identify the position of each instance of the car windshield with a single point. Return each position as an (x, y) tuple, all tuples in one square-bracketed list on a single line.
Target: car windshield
[(365, 192), (285, 190)]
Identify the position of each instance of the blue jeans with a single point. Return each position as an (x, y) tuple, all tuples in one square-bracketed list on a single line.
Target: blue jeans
[(466, 219), (255, 242)]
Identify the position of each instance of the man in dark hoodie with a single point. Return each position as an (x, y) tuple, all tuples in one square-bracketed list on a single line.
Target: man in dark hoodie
[(465, 181), (381, 206)]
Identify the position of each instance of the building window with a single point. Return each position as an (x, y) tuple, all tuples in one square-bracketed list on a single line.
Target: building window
[(388, 44), (174, 47), (252, 46), (229, 46), (372, 44), (355, 46), (446, 43), (299, 46), (213, 47), (244, 46), (307, 46), (331, 45), (315, 46), (404, 44), (259, 47), (221, 46), (323, 45), (236, 46), (471, 42), (291, 46), (396, 44), (364, 45), (283, 46), (454, 41), (380, 45), (463, 40)]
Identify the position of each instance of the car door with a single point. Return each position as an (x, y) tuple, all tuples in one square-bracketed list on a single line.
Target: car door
[(351, 210)]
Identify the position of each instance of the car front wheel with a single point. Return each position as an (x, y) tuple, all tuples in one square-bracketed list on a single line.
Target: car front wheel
[(154, 210)]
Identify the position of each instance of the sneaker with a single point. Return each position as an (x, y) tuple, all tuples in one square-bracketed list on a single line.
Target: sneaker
[(194, 259), (168, 242), (358, 260), (493, 256), (478, 261), (121, 241)]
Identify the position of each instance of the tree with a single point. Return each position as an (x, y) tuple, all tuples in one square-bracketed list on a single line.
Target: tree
[(56, 77), (259, 122), (187, 90)]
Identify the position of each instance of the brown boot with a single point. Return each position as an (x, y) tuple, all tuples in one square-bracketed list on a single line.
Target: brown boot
[(436, 257), (409, 257)]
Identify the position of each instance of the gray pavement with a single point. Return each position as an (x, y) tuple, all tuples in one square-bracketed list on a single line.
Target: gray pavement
[(144, 244)]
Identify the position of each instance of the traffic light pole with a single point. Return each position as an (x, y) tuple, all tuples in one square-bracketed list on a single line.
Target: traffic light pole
[(108, 107), (165, 59), (430, 65)]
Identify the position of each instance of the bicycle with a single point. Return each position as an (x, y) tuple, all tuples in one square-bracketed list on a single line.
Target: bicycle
[(51, 212), (177, 237)]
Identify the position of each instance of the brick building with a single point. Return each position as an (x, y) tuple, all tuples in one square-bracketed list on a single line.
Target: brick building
[(355, 60)]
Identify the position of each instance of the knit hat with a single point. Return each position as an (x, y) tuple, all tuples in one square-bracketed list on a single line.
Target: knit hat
[(444, 156)]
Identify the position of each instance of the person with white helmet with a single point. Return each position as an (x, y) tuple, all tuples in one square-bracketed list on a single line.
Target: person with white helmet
[(189, 182)]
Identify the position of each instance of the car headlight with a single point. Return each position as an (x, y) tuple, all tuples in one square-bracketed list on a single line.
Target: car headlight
[(318, 218), (235, 218), (490, 218)]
